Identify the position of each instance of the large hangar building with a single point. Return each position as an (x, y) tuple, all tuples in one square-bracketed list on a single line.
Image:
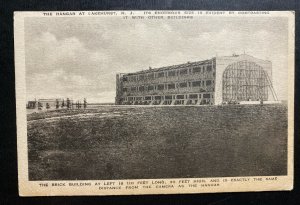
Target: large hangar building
[(228, 79)]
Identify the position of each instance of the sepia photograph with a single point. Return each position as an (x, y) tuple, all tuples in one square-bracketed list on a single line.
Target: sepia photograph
[(151, 102)]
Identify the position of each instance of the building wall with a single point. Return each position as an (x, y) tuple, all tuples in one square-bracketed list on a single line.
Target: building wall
[(175, 84), (32, 104), (50, 102), (223, 62), (119, 88)]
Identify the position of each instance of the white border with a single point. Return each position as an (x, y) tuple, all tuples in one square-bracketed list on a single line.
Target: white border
[(32, 188)]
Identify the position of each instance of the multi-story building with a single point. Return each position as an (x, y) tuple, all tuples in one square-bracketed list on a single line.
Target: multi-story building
[(228, 79)]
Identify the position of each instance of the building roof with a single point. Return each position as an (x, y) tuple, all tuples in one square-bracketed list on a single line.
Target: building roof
[(170, 67), (178, 66), (50, 100)]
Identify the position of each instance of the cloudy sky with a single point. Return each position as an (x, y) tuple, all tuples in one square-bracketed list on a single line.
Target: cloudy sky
[(80, 57)]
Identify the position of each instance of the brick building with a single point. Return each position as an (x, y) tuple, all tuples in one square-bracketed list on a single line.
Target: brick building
[(227, 79)]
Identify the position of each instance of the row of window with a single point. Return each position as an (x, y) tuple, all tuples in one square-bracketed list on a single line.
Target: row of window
[(170, 73), (169, 97), (170, 86)]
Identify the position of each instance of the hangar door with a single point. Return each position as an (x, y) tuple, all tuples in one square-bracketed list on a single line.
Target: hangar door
[(245, 81)]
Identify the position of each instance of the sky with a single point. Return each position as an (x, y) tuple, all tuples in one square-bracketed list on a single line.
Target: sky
[(79, 57)]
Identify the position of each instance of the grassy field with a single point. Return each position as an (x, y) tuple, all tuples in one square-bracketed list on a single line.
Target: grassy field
[(158, 142)]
